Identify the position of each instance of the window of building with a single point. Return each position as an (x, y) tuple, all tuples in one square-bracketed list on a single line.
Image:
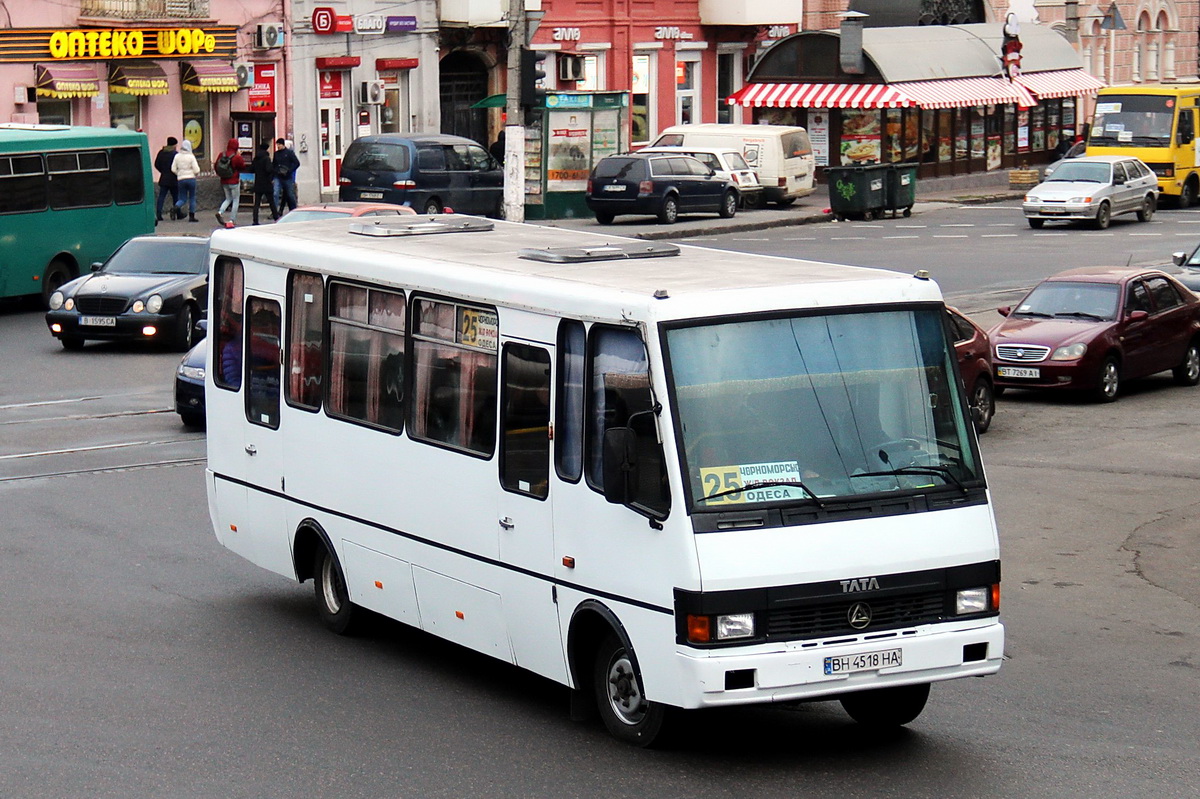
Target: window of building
[(593, 73), (366, 355), (641, 110), (195, 123), (53, 112), (125, 111), (525, 446), (687, 88), (306, 341), (227, 311), (263, 331)]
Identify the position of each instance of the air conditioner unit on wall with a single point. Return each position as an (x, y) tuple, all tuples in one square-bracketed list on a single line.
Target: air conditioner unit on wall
[(245, 74), (268, 36), (370, 92), (570, 67)]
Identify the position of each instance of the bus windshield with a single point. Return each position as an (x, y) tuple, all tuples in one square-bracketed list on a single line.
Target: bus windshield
[(811, 409), (1133, 120)]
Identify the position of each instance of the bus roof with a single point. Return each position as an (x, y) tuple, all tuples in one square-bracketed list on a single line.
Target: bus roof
[(1171, 89), (16, 137), (489, 266)]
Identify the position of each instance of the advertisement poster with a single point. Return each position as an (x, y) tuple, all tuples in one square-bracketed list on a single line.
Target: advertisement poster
[(567, 157), (533, 162), (977, 137), (860, 138), (261, 95), (818, 134), (993, 152), (193, 129), (605, 134), (1023, 132), (330, 85)]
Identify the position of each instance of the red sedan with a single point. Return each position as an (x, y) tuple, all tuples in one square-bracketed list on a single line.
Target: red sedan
[(974, 351), (1090, 329)]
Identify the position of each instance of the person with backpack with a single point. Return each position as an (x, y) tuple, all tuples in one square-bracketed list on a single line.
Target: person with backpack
[(186, 169), (229, 166), (167, 182), (285, 163), (264, 183)]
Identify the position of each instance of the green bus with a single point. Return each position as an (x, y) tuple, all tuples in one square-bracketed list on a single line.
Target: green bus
[(69, 196)]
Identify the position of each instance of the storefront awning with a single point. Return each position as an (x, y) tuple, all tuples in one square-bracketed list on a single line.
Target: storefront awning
[(965, 92), (492, 101), (1060, 83), (208, 76), (820, 95), (64, 81), (140, 80)]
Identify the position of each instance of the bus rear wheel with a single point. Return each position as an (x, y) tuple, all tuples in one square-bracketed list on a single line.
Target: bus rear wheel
[(334, 607), (627, 713), (885, 708)]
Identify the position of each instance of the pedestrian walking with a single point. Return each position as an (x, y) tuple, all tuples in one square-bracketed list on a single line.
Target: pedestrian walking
[(186, 169), (264, 179), (167, 182), (229, 166), (285, 163)]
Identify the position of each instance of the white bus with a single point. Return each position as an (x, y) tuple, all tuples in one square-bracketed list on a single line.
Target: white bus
[(666, 477)]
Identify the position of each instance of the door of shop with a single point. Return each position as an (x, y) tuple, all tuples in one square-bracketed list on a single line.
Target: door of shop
[(331, 117)]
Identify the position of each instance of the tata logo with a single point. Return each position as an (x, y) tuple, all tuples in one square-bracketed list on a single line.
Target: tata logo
[(859, 615), (862, 584)]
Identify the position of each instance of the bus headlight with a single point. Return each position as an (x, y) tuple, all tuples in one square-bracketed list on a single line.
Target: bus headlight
[(735, 625), (154, 304), (971, 600), (56, 300)]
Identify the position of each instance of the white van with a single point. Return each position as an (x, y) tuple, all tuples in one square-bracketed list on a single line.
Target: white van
[(780, 154)]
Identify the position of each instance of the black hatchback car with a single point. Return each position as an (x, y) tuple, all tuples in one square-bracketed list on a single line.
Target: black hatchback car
[(658, 184)]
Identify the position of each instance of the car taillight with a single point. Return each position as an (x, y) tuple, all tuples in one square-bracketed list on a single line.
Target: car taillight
[(646, 187), (404, 184), (589, 186), (736, 180), (783, 182), (343, 181)]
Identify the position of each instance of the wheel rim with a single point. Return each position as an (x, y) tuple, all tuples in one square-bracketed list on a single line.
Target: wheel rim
[(329, 586), (624, 696), (1110, 379), (670, 211), (1149, 210), (730, 204), (431, 207), (1192, 363), (188, 326), (1102, 216), (983, 401)]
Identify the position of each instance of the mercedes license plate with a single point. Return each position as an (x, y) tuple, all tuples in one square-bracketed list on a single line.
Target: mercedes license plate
[(98, 321), (370, 195), (1018, 371), (864, 661)]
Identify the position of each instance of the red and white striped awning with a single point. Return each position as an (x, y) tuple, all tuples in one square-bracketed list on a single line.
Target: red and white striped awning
[(966, 92), (819, 95), (1060, 83)]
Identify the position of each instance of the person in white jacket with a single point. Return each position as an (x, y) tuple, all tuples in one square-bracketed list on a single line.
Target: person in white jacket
[(187, 169)]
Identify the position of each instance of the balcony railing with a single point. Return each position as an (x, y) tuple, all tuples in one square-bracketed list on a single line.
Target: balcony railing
[(145, 9)]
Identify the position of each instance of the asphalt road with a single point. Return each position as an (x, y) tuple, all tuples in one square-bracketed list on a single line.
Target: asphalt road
[(140, 658)]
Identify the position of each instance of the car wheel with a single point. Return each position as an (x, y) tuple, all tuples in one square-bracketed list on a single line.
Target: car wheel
[(1146, 213), (1036, 224), (627, 713), (670, 210), (1109, 384), (785, 202), (55, 275), (605, 218), (334, 607), (983, 404), (1103, 217), (1187, 195), (192, 419), (754, 200), (432, 206), (729, 204), (1187, 373), (73, 343), (185, 329), (884, 708), (868, 216)]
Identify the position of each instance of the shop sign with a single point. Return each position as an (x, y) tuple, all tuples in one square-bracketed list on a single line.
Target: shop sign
[(818, 135), (777, 31), (370, 24), (568, 101), (326, 20), (261, 95), (671, 32), (401, 24), (566, 34), (39, 44), (330, 85)]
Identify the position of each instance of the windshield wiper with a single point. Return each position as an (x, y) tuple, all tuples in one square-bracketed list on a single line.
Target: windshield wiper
[(1084, 314), (768, 484), (937, 471), (1038, 314)]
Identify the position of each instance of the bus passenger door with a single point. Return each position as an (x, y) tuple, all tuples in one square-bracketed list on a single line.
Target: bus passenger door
[(262, 448), (525, 521)]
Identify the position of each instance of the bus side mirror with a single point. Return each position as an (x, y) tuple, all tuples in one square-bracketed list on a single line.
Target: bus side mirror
[(620, 465), (1184, 137)]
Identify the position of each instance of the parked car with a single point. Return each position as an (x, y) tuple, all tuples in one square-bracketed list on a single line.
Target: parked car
[(306, 213), (189, 385), (429, 172), (662, 185), (153, 288), (1091, 329), (1077, 150), (1189, 268), (729, 165), (974, 351), (1093, 188)]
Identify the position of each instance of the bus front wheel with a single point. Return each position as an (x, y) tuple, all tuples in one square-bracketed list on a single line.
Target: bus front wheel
[(884, 708), (56, 274), (1187, 195), (627, 713), (336, 610)]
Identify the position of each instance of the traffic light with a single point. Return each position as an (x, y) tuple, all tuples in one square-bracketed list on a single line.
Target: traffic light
[(533, 69)]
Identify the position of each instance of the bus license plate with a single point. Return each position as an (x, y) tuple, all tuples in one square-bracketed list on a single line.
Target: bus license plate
[(864, 661), (1018, 371), (98, 321), (370, 195)]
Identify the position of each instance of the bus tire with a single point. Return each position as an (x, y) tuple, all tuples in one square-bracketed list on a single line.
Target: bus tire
[(57, 273), (886, 708), (1187, 195), (626, 712), (334, 607)]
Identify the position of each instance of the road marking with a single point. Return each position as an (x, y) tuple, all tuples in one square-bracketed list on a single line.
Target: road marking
[(1145, 234), (912, 227), (1060, 234), (799, 238), (1189, 235), (46, 402), (1002, 224), (951, 236), (998, 236), (967, 224), (847, 238), (901, 237), (872, 227), (76, 449), (748, 239)]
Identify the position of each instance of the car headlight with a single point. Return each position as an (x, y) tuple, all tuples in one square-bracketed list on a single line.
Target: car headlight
[(191, 372), (69, 304), (972, 600), (1029, 198), (154, 304), (1072, 352), (56, 300), (1080, 200), (138, 306)]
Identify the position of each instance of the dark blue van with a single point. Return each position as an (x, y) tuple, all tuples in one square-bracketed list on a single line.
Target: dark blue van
[(426, 171)]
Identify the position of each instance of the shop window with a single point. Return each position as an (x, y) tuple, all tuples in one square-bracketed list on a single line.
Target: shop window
[(945, 135), (54, 112), (641, 110), (1037, 129), (525, 442), (687, 90), (263, 331), (306, 343), (195, 123), (978, 123), (227, 311), (366, 355), (125, 111), (962, 135), (1009, 129)]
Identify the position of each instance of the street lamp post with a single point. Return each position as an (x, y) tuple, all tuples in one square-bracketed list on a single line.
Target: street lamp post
[(514, 128)]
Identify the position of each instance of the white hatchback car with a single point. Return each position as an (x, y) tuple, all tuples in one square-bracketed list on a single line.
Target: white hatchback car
[(1094, 188), (728, 163)]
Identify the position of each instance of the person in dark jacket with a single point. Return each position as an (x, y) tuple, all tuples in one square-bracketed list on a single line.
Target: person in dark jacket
[(167, 182), (285, 164), (264, 179)]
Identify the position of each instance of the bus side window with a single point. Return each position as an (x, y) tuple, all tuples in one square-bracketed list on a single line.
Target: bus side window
[(22, 184), (568, 417), (1187, 128), (79, 179), (306, 340), (263, 333), (366, 355), (525, 426), (227, 310), (128, 180)]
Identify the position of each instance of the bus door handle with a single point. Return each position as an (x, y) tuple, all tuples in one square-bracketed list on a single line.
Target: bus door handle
[(507, 523), (251, 449)]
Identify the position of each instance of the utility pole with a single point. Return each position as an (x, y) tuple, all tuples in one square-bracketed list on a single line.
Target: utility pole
[(514, 127)]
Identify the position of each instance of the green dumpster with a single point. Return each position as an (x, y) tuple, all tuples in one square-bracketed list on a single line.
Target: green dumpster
[(857, 191), (901, 188)]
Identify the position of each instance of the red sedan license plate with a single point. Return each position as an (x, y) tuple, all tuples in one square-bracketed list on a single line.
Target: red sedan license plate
[(1018, 371)]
